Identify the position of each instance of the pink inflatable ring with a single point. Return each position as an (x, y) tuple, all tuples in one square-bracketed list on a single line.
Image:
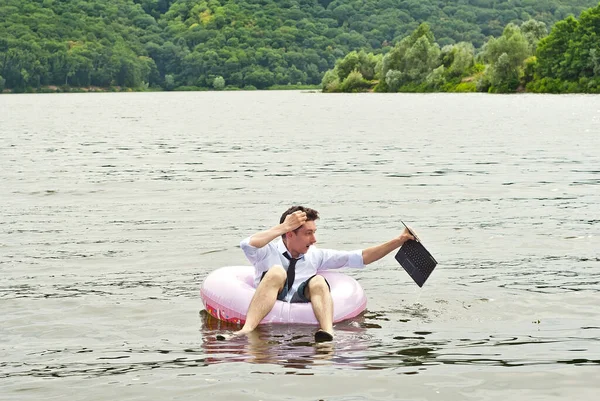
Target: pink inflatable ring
[(227, 291)]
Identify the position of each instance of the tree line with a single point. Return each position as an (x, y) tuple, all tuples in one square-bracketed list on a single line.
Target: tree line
[(524, 58), (220, 44)]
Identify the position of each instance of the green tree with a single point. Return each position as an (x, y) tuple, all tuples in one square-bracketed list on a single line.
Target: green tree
[(410, 61), (436, 79), (506, 55), (331, 81), (534, 31), (259, 77), (458, 59), (568, 59), (587, 47), (169, 81), (360, 61), (553, 52), (354, 82), (504, 78), (219, 83)]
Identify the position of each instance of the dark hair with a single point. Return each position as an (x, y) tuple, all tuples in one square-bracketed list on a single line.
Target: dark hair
[(311, 215)]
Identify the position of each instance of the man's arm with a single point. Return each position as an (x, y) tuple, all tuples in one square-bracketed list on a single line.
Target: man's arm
[(377, 252), (292, 222)]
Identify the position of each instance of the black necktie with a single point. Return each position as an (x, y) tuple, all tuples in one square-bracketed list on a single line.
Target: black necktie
[(291, 271)]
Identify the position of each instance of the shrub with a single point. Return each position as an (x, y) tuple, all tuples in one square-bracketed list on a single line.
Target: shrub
[(465, 87), (330, 81), (355, 82), (219, 83)]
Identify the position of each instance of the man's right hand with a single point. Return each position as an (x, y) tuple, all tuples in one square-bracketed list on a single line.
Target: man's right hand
[(294, 220)]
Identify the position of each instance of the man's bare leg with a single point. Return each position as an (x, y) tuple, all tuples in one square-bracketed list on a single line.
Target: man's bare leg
[(264, 298), (317, 291)]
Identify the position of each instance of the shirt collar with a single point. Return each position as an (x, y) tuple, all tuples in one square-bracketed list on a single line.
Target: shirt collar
[(282, 249)]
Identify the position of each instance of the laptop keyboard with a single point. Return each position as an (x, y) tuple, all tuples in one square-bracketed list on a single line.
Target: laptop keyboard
[(420, 258), (416, 260)]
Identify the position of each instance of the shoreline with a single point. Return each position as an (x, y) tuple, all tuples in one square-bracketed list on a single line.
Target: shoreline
[(52, 89), (119, 89)]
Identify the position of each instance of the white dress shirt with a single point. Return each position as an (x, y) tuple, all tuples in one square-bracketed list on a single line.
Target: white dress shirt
[(308, 264)]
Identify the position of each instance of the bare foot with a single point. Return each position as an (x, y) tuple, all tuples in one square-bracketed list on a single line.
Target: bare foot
[(235, 334)]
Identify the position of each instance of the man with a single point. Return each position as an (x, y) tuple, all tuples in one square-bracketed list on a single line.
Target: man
[(288, 270)]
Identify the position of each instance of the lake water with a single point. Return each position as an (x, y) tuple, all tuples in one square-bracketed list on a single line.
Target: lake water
[(115, 207)]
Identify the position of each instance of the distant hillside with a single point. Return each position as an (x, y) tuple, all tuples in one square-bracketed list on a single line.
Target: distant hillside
[(206, 44)]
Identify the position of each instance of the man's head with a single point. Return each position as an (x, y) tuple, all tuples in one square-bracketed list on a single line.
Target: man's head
[(299, 240)]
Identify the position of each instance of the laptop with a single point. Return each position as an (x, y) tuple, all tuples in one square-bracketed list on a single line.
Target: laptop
[(416, 259)]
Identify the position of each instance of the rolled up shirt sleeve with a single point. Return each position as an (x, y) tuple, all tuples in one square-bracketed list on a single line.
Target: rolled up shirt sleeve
[(261, 258), (339, 259), (253, 254)]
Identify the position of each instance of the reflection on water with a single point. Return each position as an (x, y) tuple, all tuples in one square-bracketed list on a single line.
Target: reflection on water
[(290, 346), (354, 347), (357, 346)]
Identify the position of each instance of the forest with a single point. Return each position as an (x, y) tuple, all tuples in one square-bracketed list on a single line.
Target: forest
[(523, 58), (343, 45)]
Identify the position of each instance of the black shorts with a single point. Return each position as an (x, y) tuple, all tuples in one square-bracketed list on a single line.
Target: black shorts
[(298, 296)]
